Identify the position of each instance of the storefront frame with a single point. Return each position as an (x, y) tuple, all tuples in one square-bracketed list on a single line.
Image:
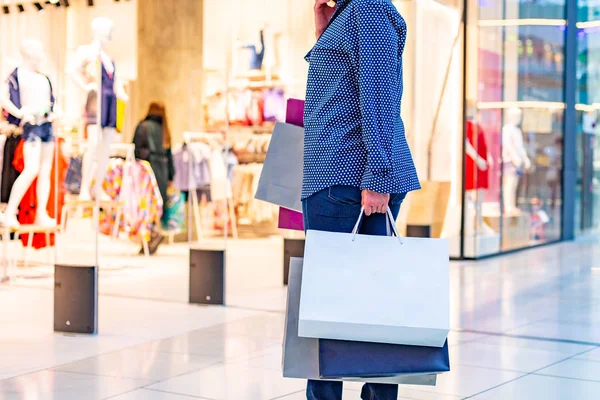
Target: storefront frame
[(568, 175)]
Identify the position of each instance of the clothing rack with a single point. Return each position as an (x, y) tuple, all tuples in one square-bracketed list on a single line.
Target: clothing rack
[(127, 151), (215, 142)]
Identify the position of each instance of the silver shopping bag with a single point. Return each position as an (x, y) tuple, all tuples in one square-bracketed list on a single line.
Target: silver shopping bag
[(281, 178), (301, 355)]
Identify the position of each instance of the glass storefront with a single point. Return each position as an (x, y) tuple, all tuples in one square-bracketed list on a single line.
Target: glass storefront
[(587, 201), (514, 125)]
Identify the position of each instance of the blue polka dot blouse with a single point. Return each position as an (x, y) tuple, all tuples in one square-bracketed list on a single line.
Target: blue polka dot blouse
[(353, 131)]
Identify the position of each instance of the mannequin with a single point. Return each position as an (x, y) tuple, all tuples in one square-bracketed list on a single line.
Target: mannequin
[(514, 159), (476, 179), (29, 101), (93, 71)]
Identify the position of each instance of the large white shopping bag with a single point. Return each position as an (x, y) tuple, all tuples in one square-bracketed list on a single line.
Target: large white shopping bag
[(379, 289), (301, 355), (281, 178)]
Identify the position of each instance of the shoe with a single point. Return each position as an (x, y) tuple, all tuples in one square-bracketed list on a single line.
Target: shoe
[(155, 241), (9, 220)]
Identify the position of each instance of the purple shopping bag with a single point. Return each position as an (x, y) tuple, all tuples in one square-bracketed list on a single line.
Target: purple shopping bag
[(289, 219), (295, 112)]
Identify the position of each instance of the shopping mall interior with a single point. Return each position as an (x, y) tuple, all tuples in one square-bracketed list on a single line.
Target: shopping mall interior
[(501, 118)]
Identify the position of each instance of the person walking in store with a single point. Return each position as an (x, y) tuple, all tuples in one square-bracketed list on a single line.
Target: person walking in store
[(152, 141), (355, 150)]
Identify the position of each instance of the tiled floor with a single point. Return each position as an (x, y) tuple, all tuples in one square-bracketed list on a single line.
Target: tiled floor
[(525, 326)]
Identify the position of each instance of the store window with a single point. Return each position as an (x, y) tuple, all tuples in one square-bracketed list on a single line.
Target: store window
[(587, 201), (514, 130)]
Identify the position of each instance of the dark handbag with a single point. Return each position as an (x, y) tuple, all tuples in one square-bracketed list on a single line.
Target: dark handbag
[(338, 359), (74, 175)]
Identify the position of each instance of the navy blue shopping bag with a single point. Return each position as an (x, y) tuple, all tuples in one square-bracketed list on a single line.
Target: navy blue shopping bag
[(339, 358)]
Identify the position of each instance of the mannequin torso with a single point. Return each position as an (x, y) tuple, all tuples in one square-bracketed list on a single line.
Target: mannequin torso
[(30, 102), (93, 70), (35, 91)]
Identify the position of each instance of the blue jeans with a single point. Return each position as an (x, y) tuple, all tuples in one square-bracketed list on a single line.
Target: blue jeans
[(336, 209)]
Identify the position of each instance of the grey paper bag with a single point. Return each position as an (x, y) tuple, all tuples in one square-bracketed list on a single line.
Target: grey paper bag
[(280, 182), (301, 355)]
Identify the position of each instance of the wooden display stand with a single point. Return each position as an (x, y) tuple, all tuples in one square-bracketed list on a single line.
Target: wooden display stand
[(427, 209)]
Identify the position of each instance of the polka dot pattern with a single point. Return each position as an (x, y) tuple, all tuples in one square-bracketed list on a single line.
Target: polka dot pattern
[(353, 131)]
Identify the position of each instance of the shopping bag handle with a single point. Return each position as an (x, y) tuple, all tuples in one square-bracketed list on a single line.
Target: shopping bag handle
[(389, 222)]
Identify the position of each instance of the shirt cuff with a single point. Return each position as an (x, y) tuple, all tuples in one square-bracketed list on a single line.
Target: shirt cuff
[(378, 182)]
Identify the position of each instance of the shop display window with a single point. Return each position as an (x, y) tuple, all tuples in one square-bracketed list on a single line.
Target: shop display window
[(513, 171), (587, 201)]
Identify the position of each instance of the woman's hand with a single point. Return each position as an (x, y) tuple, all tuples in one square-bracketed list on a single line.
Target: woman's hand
[(374, 202), (323, 14)]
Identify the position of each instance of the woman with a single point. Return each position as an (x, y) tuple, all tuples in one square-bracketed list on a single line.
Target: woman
[(355, 150), (152, 141)]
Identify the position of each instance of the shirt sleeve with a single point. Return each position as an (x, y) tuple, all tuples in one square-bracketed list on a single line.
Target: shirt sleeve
[(377, 62)]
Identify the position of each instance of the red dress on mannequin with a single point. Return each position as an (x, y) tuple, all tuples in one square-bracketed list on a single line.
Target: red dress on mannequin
[(27, 208), (476, 178)]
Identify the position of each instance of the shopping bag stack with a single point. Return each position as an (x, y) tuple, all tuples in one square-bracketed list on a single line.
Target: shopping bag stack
[(370, 308), (360, 307)]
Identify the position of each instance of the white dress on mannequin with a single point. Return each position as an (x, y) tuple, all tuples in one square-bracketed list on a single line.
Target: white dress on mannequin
[(514, 158)]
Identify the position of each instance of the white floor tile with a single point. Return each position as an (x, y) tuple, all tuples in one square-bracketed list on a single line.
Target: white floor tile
[(575, 369), (566, 348), (455, 337), (346, 395), (225, 348), (270, 358), (53, 385), (593, 355), (140, 364), (503, 357), (466, 381), (232, 382), (567, 331), (543, 387), (146, 394)]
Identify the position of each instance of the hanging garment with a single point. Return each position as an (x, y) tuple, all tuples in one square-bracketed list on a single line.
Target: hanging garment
[(9, 173), (184, 179), (15, 95), (274, 105), (256, 57), (2, 143), (476, 178), (173, 219), (143, 205), (27, 208), (220, 185), (108, 119), (74, 175)]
